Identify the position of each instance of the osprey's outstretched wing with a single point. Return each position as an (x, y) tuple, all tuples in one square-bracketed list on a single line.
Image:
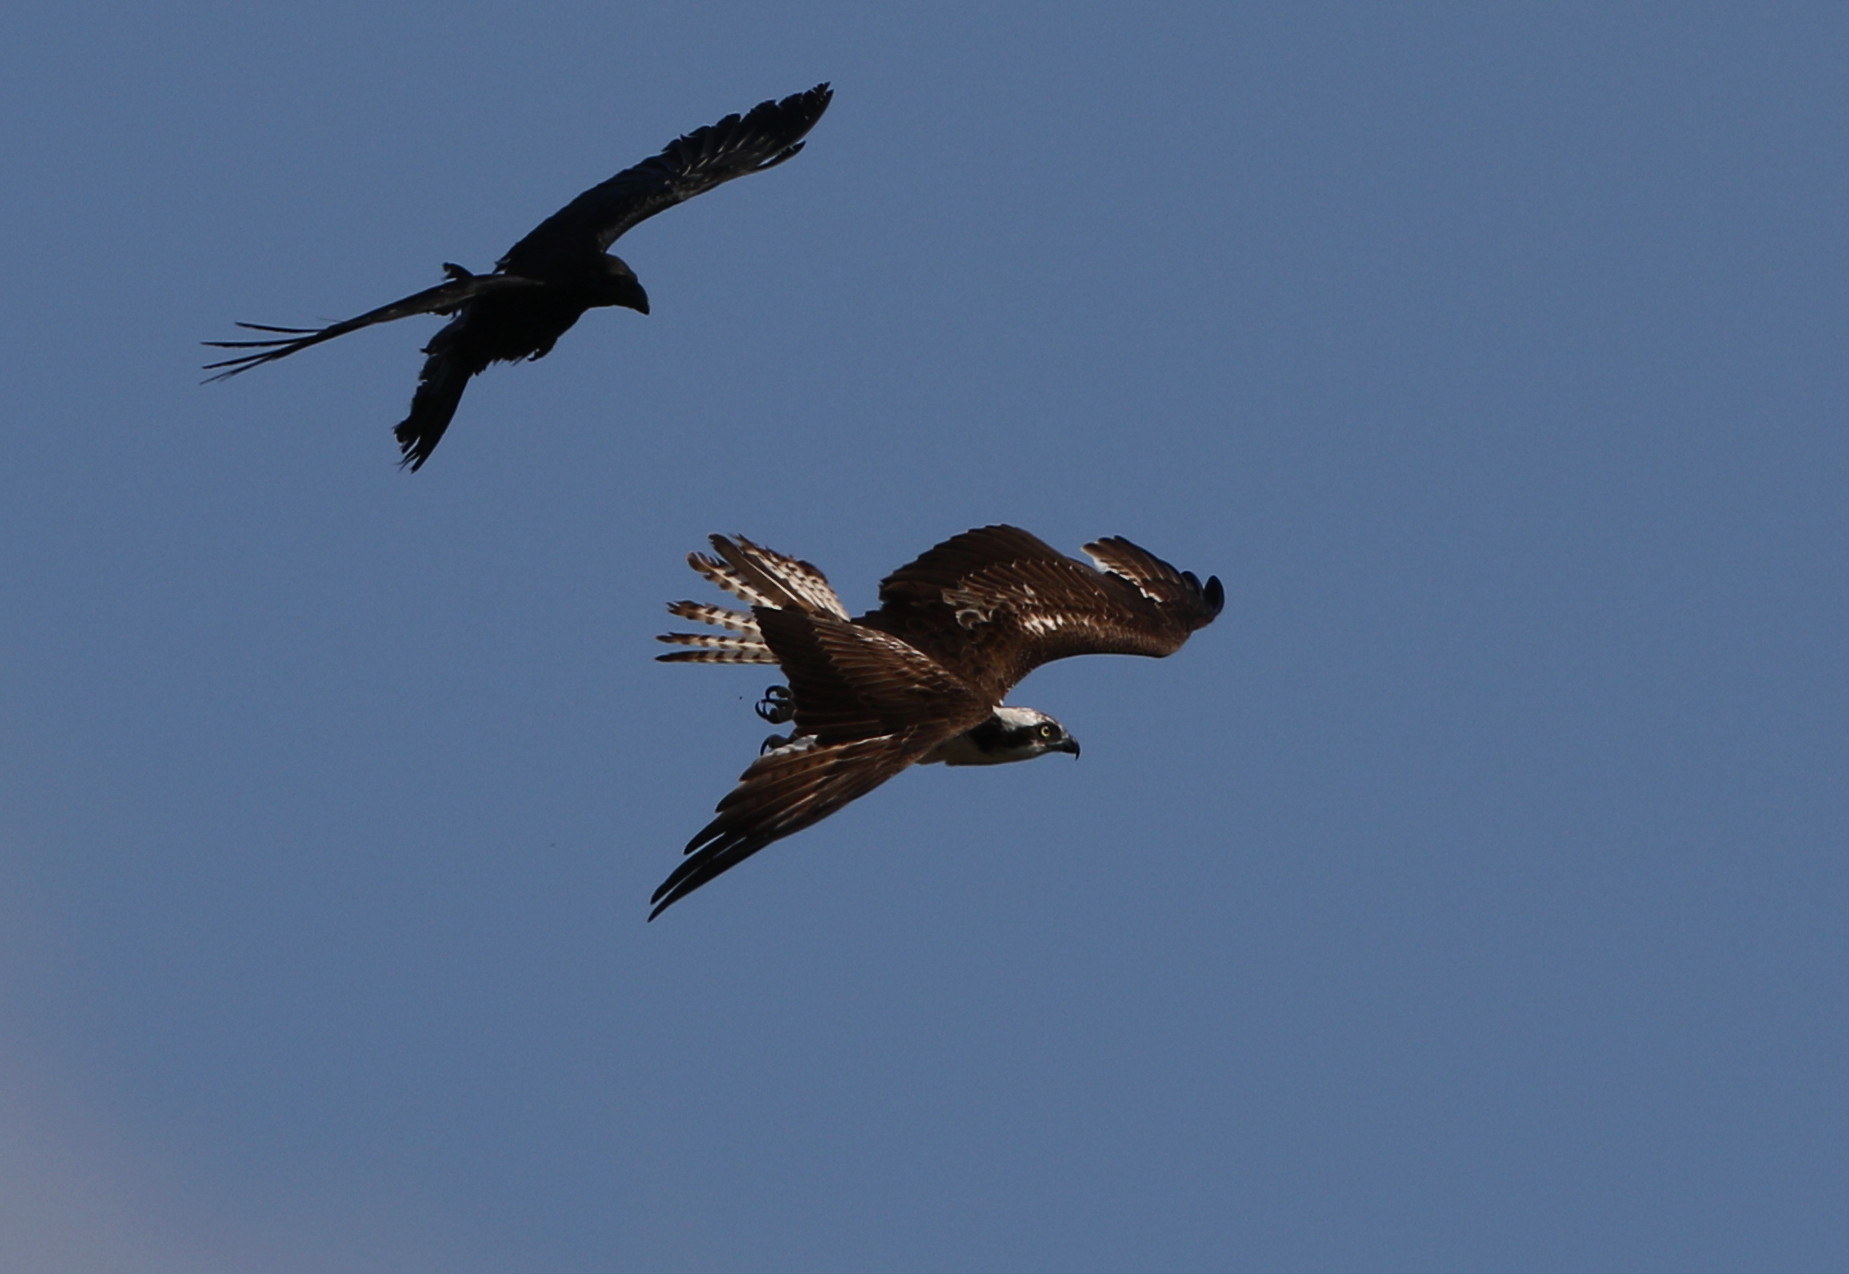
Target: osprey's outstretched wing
[(736, 146), (993, 604), (785, 791), (867, 706)]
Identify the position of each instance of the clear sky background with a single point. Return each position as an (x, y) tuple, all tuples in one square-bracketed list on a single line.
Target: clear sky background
[(1470, 896)]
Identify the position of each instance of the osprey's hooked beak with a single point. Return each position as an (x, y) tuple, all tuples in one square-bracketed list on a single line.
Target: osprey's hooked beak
[(1070, 745)]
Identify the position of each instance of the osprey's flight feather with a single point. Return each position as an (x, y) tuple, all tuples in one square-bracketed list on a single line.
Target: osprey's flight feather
[(919, 680), (562, 268)]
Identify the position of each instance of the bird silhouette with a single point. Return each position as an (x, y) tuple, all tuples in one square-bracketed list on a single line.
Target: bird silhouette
[(562, 268)]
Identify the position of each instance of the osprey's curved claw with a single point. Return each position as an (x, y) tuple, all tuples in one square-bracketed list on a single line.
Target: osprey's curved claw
[(777, 706)]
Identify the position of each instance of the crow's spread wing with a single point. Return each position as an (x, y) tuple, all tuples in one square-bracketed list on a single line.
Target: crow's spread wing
[(440, 384), (736, 146)]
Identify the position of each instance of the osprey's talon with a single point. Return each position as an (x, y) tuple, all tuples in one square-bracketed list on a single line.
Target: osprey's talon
[(774, 742), (777, 706)]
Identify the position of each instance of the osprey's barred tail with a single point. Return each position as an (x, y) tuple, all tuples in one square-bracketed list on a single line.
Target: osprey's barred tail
[(712, 648), (759, 577)]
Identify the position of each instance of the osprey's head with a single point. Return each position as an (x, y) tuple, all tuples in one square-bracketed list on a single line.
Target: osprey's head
[(1010, 734), (618, 285)]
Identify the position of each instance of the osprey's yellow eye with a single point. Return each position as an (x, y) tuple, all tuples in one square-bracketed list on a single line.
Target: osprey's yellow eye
[(1048, 730)]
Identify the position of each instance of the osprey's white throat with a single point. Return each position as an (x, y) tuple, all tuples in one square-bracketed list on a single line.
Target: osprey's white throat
[(1010, 734)]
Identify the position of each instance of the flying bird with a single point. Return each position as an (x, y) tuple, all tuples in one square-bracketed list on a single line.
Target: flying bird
[(562, 268), (919, 680)]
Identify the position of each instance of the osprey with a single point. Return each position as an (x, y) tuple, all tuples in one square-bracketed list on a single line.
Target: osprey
[(562, 268), (919, 680)]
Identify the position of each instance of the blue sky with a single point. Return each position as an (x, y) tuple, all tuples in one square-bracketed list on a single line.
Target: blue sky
[(1469, 896)]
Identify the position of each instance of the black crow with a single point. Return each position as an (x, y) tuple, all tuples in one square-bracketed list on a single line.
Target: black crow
[(562, 268)]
